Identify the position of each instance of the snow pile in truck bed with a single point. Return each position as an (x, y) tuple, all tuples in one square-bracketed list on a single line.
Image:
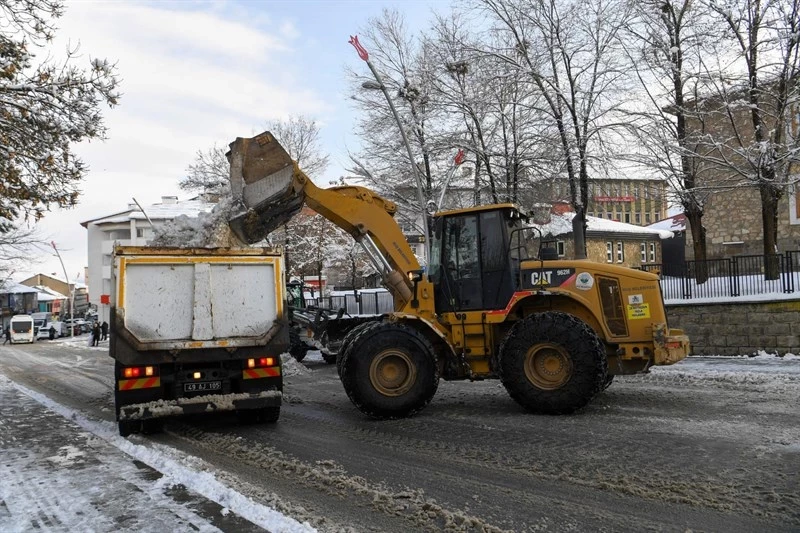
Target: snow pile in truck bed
[(207, 230)]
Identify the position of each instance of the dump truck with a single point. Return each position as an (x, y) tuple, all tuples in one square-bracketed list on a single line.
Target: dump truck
[(491, 304), (196, 330)]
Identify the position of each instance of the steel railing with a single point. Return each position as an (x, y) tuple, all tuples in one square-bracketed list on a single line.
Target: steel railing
[(743, 275)]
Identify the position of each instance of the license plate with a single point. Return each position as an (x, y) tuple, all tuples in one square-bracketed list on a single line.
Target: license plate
[(202, 386)]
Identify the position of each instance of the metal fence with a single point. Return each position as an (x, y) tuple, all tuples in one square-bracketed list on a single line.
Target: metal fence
[(362, 303), (744, 275)]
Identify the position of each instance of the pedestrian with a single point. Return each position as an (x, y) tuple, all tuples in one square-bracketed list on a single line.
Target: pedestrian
[(51, 332), (96, 334), (104, 330), (8, 336)]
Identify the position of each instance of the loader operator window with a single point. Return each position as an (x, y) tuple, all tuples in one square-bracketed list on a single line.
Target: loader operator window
[(469, 262), (461, 268)]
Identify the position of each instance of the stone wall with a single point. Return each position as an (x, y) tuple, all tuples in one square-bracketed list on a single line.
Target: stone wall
[(739, 328)]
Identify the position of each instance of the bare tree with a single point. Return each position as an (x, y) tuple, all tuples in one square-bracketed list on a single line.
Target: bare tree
[(18, 246), (208, 174), (492, 106), (666, 41), (569, 51), (382, 163), (751, 96), (45, 109)]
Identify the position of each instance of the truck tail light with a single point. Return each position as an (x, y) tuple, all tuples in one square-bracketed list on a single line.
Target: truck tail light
[(261, 362), (138, 371)]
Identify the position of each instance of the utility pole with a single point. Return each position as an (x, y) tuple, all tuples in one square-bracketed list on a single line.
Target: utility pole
[(71, 291)]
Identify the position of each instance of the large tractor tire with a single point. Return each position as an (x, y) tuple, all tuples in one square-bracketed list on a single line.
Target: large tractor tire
[(552, 363), (389, 371), (352, 334)]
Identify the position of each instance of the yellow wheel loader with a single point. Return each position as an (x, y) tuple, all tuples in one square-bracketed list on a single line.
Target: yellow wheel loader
[(489, 305)]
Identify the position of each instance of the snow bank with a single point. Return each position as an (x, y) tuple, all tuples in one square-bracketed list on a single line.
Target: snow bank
[(178, 469)]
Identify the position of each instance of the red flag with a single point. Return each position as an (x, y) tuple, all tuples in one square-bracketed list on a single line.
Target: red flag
[(459, 157), (362, 52)]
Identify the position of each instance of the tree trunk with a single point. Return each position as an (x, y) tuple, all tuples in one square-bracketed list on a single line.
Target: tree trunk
[(579, 232), (694, 216), (769, 221)]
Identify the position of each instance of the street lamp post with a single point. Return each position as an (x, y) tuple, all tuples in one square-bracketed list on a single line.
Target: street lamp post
[(71, 291), (364, 55)]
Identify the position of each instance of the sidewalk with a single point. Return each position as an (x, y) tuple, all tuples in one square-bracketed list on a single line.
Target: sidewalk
[(57, 476)]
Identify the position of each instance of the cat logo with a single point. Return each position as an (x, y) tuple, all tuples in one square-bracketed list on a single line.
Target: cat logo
[(541, 277)]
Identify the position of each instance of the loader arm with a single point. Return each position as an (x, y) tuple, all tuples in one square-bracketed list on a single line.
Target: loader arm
[(272, 188)]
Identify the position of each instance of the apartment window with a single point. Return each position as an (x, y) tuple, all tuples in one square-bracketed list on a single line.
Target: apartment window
[(638, 218), (646, 192), (139, 232), (652, 252), (591, 214), (609, 252), (618, 217), (647, 218), (560, 248), (643, 251), (620, 252), (625, 189), (627, 218), (610, 215)]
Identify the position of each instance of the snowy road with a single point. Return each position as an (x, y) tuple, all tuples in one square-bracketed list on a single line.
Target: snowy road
[(710, 444)]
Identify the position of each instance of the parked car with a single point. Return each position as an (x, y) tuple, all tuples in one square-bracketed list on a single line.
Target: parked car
[(77, 325)]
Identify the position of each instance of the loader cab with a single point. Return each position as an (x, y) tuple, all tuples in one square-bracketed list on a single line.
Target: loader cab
[(472, 266)]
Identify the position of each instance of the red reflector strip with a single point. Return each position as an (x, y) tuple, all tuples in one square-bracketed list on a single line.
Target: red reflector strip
[(673, 345), (146, 383), (255, 373)]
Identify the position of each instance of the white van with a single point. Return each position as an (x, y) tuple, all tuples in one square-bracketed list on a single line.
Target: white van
[(21, 329)]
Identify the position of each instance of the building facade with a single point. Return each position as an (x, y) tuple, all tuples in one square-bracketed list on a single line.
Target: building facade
[(129, 227), (728, 168), (607, 241), (636, 201), (58, 287), (16, 299)]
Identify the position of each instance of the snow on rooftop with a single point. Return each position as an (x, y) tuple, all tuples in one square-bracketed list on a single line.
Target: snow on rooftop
[(561, 224), (159, 211), (11, 287), (47, 294), (673, 223)]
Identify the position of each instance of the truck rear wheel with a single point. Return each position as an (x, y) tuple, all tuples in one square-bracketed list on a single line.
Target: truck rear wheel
[(389, 371), (552, 363), (129, 427)]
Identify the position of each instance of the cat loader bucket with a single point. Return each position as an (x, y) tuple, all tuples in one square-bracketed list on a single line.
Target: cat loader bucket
[(262, 177)]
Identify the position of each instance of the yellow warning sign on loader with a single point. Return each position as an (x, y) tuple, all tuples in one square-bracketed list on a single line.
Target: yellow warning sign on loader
[(637, 311)]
